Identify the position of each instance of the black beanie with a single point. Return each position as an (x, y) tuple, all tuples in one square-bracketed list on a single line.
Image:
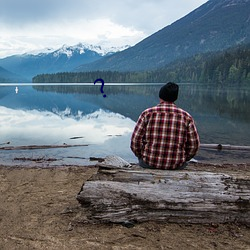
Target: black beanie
[(169, 92)]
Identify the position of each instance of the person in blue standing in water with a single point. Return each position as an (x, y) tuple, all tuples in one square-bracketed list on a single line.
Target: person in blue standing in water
[(165, 136)]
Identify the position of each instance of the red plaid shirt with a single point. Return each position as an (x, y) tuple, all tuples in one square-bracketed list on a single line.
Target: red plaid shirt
[(165, 136)]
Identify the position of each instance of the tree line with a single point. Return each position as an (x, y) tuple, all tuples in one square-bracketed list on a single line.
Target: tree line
[(231, 66)]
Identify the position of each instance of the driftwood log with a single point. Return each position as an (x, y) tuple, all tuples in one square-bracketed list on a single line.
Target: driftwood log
[(120, 195), (30, 147), (224, 147)]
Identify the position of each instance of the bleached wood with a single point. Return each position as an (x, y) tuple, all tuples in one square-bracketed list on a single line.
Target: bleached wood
[(29, 147), (224, 147), (119, 195), (113, 161)]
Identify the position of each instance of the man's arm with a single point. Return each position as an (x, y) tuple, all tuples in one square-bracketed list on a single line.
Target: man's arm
[(138, 136), (193, 141)]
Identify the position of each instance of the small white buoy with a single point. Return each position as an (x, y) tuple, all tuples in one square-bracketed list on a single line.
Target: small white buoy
[(16, 90)]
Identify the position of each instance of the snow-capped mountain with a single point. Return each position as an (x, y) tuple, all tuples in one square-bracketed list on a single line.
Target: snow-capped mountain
[(63, 59), (81, 48)]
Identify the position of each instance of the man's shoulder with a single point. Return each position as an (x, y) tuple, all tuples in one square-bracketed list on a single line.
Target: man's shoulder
[(178, 109), (184, 114), (150, 110), (166, 108)]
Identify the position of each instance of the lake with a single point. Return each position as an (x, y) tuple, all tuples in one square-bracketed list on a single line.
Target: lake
[(78, 114)]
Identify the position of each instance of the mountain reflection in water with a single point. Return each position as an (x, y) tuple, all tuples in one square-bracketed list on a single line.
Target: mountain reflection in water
[(78, 114)]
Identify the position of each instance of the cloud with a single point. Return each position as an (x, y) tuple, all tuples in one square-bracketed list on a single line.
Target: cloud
[(38, 23), (141, 14), (38, 36), (22, 12)]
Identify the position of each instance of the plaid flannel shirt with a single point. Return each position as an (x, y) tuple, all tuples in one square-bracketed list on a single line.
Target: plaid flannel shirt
[(165, 136)]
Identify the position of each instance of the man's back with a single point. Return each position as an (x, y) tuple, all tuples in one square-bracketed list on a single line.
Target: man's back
[(165, 136)]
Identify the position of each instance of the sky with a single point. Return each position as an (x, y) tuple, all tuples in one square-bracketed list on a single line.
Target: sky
[(32, 25)]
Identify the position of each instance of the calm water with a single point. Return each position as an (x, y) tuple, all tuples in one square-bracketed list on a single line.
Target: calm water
[(78, 114)]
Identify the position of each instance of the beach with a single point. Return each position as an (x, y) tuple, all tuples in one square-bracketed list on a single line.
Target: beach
[(39, 210)]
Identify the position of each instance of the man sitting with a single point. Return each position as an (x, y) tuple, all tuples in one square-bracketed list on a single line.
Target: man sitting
[(165, 136)]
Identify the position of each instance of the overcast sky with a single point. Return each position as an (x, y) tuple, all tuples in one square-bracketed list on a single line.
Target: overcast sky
[(27, 25)]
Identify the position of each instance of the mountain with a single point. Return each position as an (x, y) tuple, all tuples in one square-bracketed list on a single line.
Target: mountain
[(214, 26), (230, 66), (7, 76), (63, 59)]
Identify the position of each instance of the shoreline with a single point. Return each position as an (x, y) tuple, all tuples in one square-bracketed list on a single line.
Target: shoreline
[(54, 157), (194, 166)]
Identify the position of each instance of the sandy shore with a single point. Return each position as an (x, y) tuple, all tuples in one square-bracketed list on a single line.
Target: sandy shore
[(38, 210)]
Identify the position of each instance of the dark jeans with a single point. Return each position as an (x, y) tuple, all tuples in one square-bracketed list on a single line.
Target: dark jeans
[(145, 165)]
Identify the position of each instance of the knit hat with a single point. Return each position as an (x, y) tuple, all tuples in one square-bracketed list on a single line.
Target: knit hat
[(169, 92)]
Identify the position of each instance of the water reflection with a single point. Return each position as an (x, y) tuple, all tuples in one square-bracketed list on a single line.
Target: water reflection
[(54, 114), (43, 127), (228, 101)]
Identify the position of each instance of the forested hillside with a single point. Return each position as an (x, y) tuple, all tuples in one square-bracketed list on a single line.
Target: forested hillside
[(214, 26), (231, 66)]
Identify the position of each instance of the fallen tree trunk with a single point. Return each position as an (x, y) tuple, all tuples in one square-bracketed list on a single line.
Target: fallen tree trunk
[(224, 147), (120, 195), (29, 147)]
